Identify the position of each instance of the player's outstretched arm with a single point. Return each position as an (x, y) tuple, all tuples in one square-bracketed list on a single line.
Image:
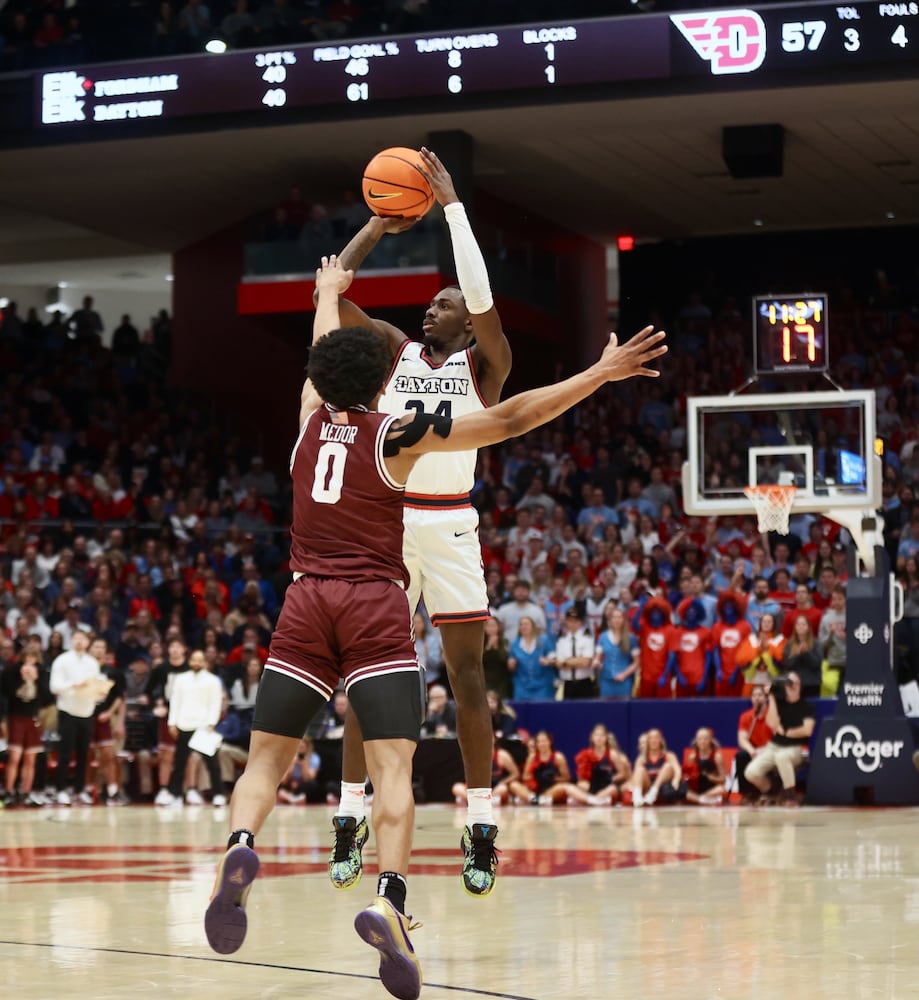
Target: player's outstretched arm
[(332, 280), (492, 352), (524, 412), (362, 243), (352, 256)]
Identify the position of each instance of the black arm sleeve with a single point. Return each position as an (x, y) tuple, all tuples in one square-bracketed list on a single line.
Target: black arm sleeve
[(411, 433)]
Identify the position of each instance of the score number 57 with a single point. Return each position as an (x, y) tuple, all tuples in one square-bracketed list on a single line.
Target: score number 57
[(800, 35)]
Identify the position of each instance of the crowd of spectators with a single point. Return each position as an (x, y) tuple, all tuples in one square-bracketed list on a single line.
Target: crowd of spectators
[(583, 517), (50, 33), (125, 510)]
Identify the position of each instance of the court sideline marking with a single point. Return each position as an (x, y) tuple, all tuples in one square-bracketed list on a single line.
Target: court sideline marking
[(256, 965)]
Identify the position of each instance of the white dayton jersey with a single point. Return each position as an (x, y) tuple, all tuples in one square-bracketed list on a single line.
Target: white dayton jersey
[(449, 390)]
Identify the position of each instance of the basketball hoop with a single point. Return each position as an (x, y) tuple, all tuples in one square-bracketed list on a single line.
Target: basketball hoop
[(773, 506)]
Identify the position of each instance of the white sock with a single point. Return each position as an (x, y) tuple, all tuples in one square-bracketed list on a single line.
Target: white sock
[(479, 806), (112, 790), (352, 800)]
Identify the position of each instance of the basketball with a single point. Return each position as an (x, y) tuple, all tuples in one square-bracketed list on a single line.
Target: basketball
[(394, 184)]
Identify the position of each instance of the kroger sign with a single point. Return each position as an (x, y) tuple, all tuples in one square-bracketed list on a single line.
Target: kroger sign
[(867, 754)]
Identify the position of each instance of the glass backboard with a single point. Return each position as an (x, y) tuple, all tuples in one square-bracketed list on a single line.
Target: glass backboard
[(821, 442)]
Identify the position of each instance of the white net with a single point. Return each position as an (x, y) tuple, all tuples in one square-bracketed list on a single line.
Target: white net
[(773, 506)]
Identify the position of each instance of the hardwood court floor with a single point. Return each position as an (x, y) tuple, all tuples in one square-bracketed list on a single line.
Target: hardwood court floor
[(678, 903)]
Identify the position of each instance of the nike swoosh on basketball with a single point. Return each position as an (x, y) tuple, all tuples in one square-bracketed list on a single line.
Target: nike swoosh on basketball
[(383, 197)]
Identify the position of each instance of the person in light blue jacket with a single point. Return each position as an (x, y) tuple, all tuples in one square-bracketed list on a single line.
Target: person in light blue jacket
[(530, 664), (617, 657)]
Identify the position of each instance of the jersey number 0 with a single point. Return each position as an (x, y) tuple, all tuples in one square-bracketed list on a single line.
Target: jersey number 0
[(329, 473)]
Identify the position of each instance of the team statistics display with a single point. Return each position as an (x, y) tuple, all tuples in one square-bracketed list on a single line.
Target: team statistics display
[(743, 45)]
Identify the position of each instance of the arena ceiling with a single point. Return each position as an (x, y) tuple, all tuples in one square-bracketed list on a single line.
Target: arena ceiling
[(651, 167)]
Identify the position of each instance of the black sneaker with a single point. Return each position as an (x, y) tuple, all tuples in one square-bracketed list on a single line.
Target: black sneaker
[(345, 863), (480, 861)]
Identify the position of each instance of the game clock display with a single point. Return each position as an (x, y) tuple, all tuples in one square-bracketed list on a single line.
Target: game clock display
[(790, 333)]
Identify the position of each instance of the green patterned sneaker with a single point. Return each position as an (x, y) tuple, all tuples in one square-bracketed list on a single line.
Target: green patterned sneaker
[(480, 861), (345, 865)]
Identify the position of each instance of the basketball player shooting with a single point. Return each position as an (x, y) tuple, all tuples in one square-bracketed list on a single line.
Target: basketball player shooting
[(459, 368), (347, 617)]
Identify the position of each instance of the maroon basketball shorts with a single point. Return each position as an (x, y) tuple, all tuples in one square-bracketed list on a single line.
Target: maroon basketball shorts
[(102, 734), (332, 631), (25, 734)]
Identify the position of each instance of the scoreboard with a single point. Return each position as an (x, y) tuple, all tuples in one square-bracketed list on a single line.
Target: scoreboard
[(535, 62)]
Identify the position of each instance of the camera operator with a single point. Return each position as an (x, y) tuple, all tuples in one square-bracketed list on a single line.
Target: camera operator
[(792, 722), (753, 736)]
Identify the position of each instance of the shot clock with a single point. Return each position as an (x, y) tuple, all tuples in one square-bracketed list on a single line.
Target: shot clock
[(790, 333)]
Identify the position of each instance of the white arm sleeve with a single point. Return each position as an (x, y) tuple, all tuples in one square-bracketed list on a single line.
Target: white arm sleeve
[(470, 264)]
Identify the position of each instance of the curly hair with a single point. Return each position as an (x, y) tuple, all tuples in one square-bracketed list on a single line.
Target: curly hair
[(348, 367)]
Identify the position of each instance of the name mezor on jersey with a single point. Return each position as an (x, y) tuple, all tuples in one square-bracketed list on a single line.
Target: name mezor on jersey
[(338, 432), (436, 386)]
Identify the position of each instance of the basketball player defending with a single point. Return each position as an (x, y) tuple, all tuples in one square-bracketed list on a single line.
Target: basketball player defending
[(347, 615), (459, 368)]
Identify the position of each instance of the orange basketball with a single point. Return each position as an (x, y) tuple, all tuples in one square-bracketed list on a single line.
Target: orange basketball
[(394, 184)]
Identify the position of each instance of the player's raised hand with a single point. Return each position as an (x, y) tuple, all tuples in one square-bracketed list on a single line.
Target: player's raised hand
[(393, 223), (621, 361), (333, 275), (438, 177)]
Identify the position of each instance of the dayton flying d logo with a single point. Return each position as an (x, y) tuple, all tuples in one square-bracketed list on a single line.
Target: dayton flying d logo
[(733, 41)]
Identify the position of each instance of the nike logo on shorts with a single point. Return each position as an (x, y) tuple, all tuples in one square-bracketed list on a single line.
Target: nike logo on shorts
[(458, 534)]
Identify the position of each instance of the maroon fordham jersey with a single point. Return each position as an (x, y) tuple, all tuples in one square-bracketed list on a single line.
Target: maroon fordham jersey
[(347, 508)]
